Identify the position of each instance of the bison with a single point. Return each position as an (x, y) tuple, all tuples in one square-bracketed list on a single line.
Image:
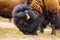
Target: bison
[(46, 10), (49, 10), (6, 6), (25, 19)]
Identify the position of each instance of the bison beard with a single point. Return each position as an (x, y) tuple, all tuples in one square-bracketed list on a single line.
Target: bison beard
[(26, 25)]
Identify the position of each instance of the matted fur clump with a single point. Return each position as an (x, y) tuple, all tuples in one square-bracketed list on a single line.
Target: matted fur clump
[(25, 19)]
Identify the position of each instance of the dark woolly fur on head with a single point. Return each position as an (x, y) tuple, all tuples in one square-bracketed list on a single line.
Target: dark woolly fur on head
[(27, 26)]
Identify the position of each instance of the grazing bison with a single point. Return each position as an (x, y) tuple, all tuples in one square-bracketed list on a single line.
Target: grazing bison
[(6, 7), (49, 10), (25, 19)]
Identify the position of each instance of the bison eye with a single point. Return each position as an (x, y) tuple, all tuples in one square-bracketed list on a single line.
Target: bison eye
[(19, 10)]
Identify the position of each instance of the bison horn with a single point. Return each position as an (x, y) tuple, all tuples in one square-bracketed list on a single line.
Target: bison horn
[(28, 17)]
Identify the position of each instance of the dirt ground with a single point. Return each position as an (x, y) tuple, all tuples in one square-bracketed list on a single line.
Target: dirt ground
[(8, 31), (15, 34)]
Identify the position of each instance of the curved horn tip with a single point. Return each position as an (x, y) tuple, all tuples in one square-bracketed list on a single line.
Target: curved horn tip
[(28, 17)]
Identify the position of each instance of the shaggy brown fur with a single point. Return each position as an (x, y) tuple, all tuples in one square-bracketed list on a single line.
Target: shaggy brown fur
[(49, 9), (6, 7), (53, 14)]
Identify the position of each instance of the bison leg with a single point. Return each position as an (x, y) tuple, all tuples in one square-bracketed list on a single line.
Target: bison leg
[(9, 19), (53, 22), (45, 22), (53, 30), (42, 29)]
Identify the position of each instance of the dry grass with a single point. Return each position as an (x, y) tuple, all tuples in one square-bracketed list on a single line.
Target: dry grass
[(8, 32), (14, 34)]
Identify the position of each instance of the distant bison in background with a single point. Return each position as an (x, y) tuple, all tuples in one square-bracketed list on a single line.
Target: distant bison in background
[(6, 7), (25, 19)]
